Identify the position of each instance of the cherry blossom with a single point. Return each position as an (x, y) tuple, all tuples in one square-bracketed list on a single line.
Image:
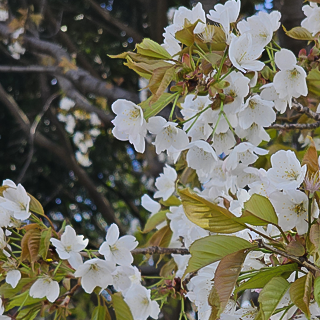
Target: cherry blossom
[(45, 287), (13, 277), (69, 246), (312, 20), (168, 136), (66, 104), (16, 200), (290, 81), (95, 273), (286, 172), (117, 250), (225, 14), (244, 54), (140, 304), (165, 183), (2, 317), (129, 123)]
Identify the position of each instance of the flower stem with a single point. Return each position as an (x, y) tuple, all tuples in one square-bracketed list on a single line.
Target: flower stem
[(309, 214), (58, 266), (283, 234), (173, 107)]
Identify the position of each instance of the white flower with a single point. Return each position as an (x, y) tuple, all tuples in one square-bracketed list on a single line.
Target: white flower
[(4, 15), (244, 54), (70, 246), (245, 153), (261, 27), (129, 123), (70, 122), (225, 14), (118, 250), (292, 209), (201, 156), (182, 263), (16, 50), (3, 243), (200, 130), (269, 93), (94, 119), (5, 216), (66, 104), (286, 172), (312, 20), (236, 206), (165, 183), (2, 317), (95, 273), (121, 277), (140, 304), (238, 90), (45, 287), (17, 200), (170, 44), (149, 204), (168, 136), (192, 105), (13, 277), (223, 142), (256, 111), (83, 159), (290, 81), (254, 134)]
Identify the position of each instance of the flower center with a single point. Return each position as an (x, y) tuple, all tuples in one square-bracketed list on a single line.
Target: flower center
[(292, 175), (300, 209), (134, 113)]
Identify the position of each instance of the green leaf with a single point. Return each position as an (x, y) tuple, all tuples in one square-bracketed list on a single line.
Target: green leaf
[(259, 211), (29, 313), (225, 279), (7, 292), (271, 295), (45, 243), (35, 206), (260, 279), (161, 238), (150, 109), (317, 290), (299, 33), (155, 220), (213, 248), (160, 80), (172, 201), (208, 215), (22, 299), (313, 81), (121, 308), (295, 248), (100, 313), (152, 49), (300, 292)]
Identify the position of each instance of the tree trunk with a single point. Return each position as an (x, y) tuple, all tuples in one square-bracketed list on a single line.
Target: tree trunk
[(292, 15)]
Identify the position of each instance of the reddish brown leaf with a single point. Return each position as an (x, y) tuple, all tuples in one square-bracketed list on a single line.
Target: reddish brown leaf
[(30, 245), (311, 158)]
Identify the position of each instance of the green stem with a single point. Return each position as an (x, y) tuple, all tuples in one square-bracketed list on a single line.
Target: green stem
[(196, 115), (226, 74), (173, 107), (309, 214), (220, 114), (16, 245), (271, 60), (273, 42), (58, 266), (230, 126), (282, 233), (221, 64)]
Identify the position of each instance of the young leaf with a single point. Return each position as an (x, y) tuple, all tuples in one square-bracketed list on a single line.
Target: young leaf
[(271, 295), (208, 215), (35, 206), (300, 292), (260, 279), (120, 307), (45, 243), (314, 236), (313, 81), (155, 220), (299, 33), (161, 238), (311, 158), (100, 313), (225, 279), (152, 49), (213, 248), (22, 299), (261, 208), (316, 292), (30, 245), (150, 109), (7, 292)]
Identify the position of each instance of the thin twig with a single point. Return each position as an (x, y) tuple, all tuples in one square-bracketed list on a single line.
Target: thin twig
[(291, 126), (33, 129)]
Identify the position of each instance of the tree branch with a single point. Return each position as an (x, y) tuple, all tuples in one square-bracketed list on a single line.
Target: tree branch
[(24, 69), (69, 160), (290, 126), (116, 22)]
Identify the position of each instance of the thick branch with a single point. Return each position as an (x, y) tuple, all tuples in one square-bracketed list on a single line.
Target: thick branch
[(302, 109), (69, 160), (116, 22), (24, 69)]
